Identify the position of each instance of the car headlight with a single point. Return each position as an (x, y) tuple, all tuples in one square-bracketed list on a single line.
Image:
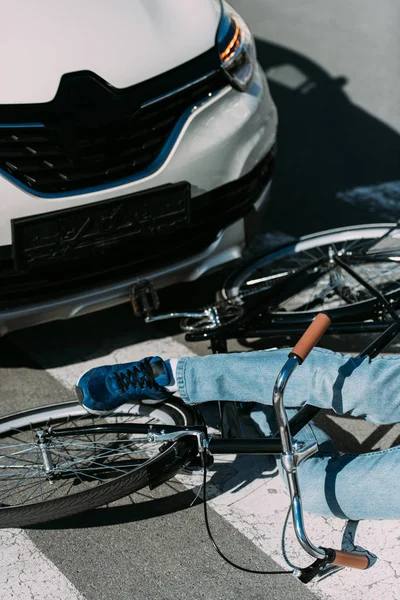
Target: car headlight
[(236, 48)]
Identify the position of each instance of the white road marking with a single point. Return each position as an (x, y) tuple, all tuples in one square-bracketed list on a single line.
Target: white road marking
[(252, 497), (26, 573)]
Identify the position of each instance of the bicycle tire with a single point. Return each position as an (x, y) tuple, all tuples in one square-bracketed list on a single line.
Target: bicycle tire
[(90, 456), (252, 278)]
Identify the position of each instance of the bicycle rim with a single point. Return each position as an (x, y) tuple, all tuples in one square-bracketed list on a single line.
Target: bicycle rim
[(44, 478), (335, 291)]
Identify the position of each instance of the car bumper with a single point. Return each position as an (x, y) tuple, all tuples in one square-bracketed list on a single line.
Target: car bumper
[(232, 139), (226, 248)]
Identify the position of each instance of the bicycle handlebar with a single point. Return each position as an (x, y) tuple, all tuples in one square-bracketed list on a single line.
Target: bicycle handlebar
[(311, 337), (339, 558)]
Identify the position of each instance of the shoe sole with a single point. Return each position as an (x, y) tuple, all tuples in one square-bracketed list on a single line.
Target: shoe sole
[(152, 401)]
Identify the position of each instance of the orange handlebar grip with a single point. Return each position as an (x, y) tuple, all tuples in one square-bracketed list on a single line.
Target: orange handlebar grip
[(350, 559), (311, 336)]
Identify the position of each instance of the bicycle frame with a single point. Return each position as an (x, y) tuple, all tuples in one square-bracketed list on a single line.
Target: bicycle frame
[(292, 453), (275, 329)]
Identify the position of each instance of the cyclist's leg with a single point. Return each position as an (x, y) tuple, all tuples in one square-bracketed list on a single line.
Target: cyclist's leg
[(350, 486), (264, 418), (327, 379), (347, 486)]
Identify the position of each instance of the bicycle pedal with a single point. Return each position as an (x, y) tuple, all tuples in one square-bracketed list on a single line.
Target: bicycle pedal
[(144, 298)]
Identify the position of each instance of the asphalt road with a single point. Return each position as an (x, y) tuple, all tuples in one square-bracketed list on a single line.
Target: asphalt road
[(153, 544), (333, 71)]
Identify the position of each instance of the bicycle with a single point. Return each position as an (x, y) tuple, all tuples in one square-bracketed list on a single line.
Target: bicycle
[(353, 274), (48, 454)]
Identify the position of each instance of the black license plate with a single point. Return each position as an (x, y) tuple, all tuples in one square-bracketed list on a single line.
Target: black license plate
[(90, 230)]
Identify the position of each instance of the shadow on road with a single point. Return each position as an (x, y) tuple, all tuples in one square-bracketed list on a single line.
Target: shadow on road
[(327, 146), (129, 512)]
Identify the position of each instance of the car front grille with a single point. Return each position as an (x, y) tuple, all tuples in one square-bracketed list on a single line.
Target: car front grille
[(53, 160), (210, 212)]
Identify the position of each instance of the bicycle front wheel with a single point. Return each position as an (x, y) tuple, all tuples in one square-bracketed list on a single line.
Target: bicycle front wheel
[(333, 289), (58, 460)]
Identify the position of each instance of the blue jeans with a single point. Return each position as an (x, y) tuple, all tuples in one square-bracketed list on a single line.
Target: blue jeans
[(348, 486)]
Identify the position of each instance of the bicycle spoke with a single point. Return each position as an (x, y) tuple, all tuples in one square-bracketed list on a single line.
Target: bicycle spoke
[(58, 460), (84, 461), (328, 293), (320, 294)]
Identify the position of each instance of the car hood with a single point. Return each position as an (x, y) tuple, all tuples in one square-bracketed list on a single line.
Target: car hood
[(123, 41)]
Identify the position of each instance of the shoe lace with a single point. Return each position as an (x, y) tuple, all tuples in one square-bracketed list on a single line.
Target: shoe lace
[(141, 376)]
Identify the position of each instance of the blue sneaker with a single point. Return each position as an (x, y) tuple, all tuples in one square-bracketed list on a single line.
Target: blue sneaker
[(103, 389)]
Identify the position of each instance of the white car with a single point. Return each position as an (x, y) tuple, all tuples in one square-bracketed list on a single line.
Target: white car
[(136, 141)]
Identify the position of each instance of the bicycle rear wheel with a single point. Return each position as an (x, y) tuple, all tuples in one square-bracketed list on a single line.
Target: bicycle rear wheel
[(46, 474), (332, 289)]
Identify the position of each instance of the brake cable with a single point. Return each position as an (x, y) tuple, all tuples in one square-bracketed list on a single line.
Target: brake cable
[(210, 535)]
